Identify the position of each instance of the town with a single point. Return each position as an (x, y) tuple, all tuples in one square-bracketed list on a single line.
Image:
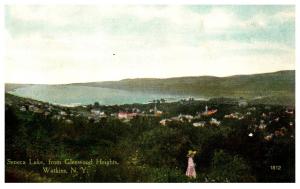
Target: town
[(156, 135), (259, 118)]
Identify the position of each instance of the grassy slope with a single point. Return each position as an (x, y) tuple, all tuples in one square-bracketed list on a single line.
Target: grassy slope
[(279, 86)]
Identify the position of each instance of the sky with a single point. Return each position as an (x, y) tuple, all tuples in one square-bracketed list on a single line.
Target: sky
[(82, 43)]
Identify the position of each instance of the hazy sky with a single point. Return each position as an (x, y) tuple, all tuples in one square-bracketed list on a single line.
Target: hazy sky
[(63, 44)]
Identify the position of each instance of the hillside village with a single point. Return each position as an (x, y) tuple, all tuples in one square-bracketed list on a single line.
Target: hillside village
[(267, 119), (156, 135)]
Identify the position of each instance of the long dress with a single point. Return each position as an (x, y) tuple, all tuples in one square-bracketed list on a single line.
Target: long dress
[(190, 171)]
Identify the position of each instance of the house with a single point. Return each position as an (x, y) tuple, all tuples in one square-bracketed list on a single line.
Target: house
[(197, 116), (113, 115), (235, 115), (95, 111), (155, 111), (78, 115), (31, 108), (164, 122), (289, 111), (68, 121), (176, 119), (57, 117), (185, 117), (37, 110), (125, 115), (158, 113), (262, 125), (242, 103), (199, 124), (102, 114), (269, 137), (215, 122), (264, 115), (46, 114), (50, 108), (252, 109), (63, 113), (209, 112), (232, 116), (122, 115), (23, 108), (136, 110)]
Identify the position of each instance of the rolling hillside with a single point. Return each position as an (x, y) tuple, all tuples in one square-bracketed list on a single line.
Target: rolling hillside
[(277, 86), (272, 88)]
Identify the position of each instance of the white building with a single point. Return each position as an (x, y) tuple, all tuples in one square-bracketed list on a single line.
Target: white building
[(63, 113), (199, 124), (185, 117), (215, 122), (164, 121), (262, 125), (23, 108), (243, 103), (96, 112)]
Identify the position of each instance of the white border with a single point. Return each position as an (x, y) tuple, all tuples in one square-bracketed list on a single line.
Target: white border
[(2, 91), (146, 186), (204, 2)]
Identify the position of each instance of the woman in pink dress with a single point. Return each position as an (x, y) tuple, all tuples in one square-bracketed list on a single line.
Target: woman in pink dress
[(191, 171)]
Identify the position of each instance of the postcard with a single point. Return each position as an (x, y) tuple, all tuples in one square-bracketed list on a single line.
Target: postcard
[(116, 93)]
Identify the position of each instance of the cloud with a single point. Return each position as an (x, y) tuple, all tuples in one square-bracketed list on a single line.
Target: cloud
[(219, 20), (55, 44)]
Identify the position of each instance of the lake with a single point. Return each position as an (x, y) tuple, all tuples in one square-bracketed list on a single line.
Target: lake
[(68, 95)]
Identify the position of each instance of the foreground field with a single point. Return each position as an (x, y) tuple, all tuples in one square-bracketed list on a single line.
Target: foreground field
[(235, 142)]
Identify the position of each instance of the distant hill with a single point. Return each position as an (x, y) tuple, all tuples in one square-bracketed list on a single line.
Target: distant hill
[(279, 86), (13, 86), (272, 88)]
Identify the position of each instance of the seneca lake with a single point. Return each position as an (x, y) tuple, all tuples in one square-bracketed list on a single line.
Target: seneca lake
[(67, 95)]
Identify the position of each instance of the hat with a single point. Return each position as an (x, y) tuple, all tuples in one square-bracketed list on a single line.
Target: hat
[(191, 153)]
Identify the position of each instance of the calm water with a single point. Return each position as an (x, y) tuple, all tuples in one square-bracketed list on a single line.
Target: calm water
[(82, 95)]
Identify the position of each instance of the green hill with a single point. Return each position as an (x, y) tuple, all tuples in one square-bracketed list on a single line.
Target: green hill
[(271, 88), (13, 86), (277, 86)]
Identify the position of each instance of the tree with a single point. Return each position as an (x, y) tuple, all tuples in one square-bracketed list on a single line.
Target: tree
[(228, 168), (96, 104)]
